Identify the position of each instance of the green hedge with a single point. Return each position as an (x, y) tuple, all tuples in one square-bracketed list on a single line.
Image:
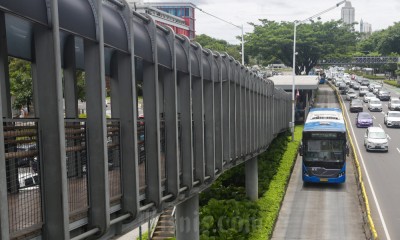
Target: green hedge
[(225, 211), (271, 200), (392, 82)]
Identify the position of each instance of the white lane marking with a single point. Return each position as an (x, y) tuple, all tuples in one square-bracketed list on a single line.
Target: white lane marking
[(386, 105), (373, 116), (389, 137), (369, 180), (383, 113), (380, 125), (398, 150)]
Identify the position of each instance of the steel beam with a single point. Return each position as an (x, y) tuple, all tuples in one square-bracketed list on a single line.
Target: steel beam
[(51, 125), (4, 75), (99, 216)]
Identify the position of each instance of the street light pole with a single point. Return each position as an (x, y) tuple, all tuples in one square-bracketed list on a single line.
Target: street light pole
[(296, 23)]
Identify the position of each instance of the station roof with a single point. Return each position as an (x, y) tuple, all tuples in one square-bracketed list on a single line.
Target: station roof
[(302, 82)]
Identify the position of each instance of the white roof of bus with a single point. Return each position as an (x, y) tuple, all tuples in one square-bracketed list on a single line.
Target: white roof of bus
[(330, 116)]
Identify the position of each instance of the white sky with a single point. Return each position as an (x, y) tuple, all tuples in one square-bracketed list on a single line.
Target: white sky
[(379, 13)]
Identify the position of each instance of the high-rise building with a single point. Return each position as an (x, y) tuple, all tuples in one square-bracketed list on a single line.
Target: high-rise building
[(180, 25), (182, 10), (365, 28), (348, 15)]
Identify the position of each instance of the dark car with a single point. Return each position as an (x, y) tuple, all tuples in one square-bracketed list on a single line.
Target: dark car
[(364, 82), (356, 105), (364, 119), (343, 88), (383, 95)]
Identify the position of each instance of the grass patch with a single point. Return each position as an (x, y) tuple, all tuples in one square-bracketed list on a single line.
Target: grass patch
[(270, 203)]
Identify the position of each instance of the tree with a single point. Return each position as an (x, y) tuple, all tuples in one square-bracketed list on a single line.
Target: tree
[(219, 45), (20, 82), (271, 41)]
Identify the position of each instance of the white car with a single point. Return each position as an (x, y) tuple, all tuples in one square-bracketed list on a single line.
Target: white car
[(375, 104), (363, 91), (351, 94), (376, 89), (338, 82), (375, 138), (368, 96), (392, 119), (394, 104)]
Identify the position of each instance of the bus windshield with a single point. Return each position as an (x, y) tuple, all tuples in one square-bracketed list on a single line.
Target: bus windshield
[(327, 150)]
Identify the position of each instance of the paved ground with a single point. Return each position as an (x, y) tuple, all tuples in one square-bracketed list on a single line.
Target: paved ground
[(320, 211)]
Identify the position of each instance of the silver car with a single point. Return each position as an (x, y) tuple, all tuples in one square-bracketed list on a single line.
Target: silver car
[(368, 96), (375, 138), (392, 119), (375, 104), (394, 104), (351, 94)]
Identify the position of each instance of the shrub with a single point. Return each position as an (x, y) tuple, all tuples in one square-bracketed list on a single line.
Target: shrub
[(271, 200)]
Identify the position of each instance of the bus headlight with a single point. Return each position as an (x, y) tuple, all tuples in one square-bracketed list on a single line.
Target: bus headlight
[(305, 173), (341, 174)]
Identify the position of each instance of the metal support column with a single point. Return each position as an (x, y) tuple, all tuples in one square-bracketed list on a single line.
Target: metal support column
[(187, 219), (251, 171), (197, 110), (4, 75), (209, 133), (171, 131), (52, 132), (4, 225), (218, 112), (129, 147), (97, 134)]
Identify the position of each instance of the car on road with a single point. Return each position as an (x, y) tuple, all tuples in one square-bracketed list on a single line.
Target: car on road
[(356, 86), (394, 104), (364, 119), (376, 89), (368, 96), (392, 119), (351, 94), (364, 82), (376, 139), (363, 91), (343, 88), (356, 105), (338, 82), (384, 95), (372, 86), (375, 104)]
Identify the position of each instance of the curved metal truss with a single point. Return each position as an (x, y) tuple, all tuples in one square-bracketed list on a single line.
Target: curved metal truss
[(66, 176)]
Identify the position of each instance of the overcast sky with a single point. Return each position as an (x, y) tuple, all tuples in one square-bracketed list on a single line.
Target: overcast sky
[(379, 13)]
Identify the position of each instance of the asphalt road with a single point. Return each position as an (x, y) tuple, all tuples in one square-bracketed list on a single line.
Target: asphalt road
[(381, 173), (320, 211)]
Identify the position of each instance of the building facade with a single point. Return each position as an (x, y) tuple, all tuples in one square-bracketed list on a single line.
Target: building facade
[(183, 10), (179, 24), (348, 13)]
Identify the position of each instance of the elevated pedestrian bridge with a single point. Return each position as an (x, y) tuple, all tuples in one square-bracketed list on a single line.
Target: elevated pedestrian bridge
[(64, 177)]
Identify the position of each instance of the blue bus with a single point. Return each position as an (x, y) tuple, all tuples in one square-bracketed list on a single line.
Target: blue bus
[(324, 146)]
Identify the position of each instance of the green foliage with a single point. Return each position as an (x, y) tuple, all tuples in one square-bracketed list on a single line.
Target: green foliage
[(219, 45), (385, 41), (228, 219), (20, 82), (271, 200), (271, 41), (225, 211)]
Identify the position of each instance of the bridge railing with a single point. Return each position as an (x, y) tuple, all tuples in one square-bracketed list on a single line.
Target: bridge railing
[(203, 113)]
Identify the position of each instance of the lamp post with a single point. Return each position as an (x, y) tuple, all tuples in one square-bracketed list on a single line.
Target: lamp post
[(296, 23)]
